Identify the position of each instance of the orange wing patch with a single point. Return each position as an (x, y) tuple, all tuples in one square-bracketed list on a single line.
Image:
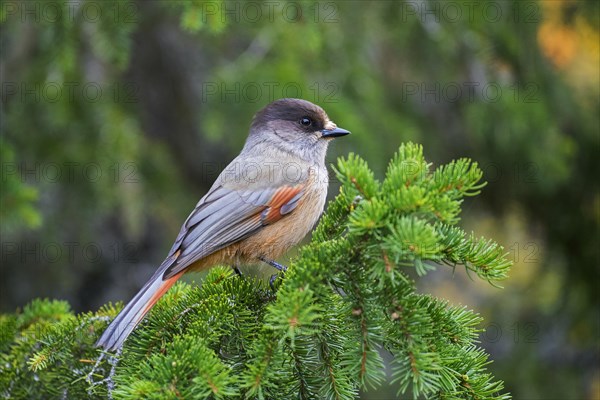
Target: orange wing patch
[(283, 202), (162, 289)]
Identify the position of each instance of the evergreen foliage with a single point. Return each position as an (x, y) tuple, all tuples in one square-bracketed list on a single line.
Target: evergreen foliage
[(319, 333)]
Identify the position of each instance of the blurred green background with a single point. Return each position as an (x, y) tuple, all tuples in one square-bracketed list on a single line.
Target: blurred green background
[(117, 116)]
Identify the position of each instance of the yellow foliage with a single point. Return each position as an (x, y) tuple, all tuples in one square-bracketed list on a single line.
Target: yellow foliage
[(558, 43), (572, 47)]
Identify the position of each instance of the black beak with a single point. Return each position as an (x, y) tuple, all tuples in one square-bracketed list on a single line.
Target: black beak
[(335, 132)]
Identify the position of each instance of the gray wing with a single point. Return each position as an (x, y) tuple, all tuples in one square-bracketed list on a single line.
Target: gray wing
[(225, 216)]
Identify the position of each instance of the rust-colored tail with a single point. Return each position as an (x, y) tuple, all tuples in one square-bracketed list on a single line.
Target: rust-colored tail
[(133, 313)]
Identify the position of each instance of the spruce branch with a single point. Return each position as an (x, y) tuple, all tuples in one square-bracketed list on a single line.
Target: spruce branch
[(346, 297)]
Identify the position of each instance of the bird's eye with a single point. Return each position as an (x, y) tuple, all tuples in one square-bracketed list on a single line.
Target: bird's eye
[(306, 121)]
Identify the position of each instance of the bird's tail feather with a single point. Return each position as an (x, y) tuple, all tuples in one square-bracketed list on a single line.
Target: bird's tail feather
[(133, 313)]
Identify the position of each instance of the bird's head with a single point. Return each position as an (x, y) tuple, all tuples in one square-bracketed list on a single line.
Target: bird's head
[(295, 125)]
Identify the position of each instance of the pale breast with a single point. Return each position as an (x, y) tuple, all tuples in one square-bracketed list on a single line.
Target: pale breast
[(274, 240)]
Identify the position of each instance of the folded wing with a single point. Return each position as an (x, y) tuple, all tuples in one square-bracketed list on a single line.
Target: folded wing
[(225, 216)]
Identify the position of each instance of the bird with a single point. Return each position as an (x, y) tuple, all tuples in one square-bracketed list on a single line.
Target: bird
[(262, 204)]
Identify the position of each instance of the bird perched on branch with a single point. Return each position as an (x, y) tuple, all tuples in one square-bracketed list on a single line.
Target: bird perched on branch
[(264, 202)]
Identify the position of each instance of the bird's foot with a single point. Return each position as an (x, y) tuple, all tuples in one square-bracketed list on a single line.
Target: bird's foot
[(276, 265), (272, 280), (236, 270)]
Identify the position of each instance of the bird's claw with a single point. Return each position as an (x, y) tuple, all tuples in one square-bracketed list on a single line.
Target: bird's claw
[(272, 281), (276, 265)]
